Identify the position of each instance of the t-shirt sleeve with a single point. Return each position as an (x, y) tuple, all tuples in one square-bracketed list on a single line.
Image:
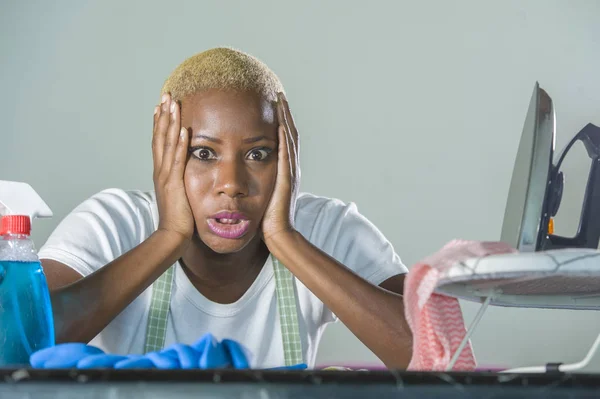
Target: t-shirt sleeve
[(342, 232), (99, 230)]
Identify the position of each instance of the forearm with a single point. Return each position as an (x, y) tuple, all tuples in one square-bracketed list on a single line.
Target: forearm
[(374, 315), (82, 309)]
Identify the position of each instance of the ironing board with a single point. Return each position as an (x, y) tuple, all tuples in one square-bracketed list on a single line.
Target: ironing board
[(548, 271), (554, 279)]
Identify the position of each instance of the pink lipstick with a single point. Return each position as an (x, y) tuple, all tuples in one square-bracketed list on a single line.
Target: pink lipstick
[(230, 225)]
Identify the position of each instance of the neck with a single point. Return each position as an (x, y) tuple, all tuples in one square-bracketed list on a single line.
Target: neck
[(223, 278)]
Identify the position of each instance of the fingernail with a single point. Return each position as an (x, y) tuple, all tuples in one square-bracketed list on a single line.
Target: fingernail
[(182, 133), (164, 98), (165, 105), (172, 106), (156, 109), (283, 96)]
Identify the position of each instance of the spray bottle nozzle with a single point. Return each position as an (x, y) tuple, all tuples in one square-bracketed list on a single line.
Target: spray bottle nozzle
[(20, 199)]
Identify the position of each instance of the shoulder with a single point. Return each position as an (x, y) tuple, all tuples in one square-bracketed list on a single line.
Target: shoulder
[(319, 218), (122, 207), (311, 208), (101, 228), (120, 200), (339, 229)]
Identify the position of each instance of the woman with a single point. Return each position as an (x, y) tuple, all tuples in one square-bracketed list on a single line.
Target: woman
[(224, 244)]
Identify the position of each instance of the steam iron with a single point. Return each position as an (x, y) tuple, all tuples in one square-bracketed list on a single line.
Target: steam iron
[(548, 271), (537, 184)]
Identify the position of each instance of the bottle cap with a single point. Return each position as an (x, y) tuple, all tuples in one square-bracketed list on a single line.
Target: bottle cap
[(15, 224)]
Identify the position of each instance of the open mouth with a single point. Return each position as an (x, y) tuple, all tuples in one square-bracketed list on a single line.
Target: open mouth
[(228, 227), (228, 221)]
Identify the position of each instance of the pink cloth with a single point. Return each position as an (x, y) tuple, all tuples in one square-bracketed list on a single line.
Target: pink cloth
[(436, 321)]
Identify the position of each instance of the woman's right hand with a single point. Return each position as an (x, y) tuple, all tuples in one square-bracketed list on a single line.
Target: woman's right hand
[(170, 153)]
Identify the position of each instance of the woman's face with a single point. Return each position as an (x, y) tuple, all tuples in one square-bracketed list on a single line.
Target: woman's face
[(230, 174)]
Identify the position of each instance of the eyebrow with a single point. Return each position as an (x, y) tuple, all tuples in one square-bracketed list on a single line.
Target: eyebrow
[(248, 140)]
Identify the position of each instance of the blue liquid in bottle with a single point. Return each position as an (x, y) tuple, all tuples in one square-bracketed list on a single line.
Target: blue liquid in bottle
[(26, 321), (25, 312)]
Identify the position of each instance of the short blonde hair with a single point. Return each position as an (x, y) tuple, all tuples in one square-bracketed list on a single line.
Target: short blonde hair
[(225, 69)]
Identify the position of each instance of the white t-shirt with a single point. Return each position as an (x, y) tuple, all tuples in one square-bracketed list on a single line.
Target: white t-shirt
[(114, 221)]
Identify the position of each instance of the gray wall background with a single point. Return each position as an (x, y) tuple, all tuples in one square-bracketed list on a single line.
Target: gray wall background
[(413, 110)]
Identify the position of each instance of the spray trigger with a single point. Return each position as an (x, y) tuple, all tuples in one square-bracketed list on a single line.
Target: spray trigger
[(18, 198)]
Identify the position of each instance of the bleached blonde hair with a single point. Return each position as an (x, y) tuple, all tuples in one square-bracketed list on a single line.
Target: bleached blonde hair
[(224, 69)]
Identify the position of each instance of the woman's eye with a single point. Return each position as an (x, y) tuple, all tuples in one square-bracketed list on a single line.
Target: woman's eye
[(203, 153), (259, 154)]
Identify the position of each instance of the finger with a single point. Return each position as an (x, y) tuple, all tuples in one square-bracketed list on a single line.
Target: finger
[(158, 136), (280, 113), (155, 153), (292, 134), (156, 115), (181, 153), (292, 153), (284, 167), (283, 152), (289, 120), (172, 137)]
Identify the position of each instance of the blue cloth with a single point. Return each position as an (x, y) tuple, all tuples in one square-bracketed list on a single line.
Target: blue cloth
[(206, 353)]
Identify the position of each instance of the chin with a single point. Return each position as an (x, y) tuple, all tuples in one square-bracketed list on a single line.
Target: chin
[(226, 246)]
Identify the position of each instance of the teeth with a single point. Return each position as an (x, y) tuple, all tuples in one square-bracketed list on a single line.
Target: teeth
[(228, 221)]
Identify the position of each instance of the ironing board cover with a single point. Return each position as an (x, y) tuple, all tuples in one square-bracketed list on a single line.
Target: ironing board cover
[(286, 304), (555, 279)]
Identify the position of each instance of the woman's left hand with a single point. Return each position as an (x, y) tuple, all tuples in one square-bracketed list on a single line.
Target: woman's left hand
[(279, 216)]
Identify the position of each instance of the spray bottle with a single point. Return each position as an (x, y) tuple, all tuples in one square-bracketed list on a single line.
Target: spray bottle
[(26, 321)]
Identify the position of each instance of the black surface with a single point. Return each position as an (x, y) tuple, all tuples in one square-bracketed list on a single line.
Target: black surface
[(81, 384), (299, 377)]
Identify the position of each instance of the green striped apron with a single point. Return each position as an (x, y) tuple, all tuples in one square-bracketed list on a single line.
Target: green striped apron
[(286, 305)]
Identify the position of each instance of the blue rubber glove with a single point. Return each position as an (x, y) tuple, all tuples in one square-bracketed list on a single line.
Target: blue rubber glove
[(189, 358), (167, 359), (300, 366), (135, 362), (212, 353), (62, 356), (102, 361), (236, 354), (206, 353)]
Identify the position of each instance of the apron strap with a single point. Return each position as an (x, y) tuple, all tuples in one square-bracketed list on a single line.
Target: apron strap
[(160, 302), (156, 330), (288, 314)]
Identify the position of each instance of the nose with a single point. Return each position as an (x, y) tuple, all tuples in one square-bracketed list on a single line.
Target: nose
[(231, 179)]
